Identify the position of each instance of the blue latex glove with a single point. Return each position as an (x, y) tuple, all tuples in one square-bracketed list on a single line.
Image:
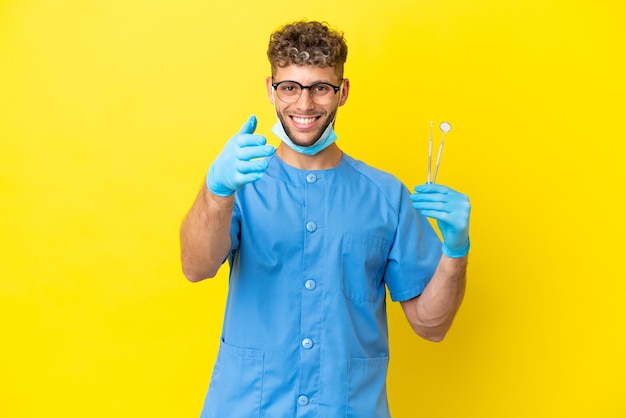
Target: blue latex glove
[(451, 209), (241, 161)]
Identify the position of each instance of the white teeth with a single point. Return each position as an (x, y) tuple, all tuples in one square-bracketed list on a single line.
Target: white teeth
[(303, 121)]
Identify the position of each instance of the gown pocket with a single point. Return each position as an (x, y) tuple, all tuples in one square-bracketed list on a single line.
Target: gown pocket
[(367, 394), (364, 259), (236, 385)]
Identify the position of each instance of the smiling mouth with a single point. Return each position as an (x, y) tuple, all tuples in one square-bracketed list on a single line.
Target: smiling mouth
[(304, 121)]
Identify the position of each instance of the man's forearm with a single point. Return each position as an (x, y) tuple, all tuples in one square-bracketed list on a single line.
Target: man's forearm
[(431, 314), (205, 235)]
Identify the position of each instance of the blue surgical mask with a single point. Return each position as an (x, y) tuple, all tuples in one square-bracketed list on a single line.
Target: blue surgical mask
[(327, 137)]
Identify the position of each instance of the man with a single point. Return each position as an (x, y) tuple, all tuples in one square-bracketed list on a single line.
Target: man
[(312, 237)]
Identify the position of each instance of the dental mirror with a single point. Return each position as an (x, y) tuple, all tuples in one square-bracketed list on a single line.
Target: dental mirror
[(445, 128)]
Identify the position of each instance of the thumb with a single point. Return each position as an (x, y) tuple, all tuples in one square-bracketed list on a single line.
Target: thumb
[(249, 127)]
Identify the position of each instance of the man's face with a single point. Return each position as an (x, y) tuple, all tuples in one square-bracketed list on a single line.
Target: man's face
[(304, 120)]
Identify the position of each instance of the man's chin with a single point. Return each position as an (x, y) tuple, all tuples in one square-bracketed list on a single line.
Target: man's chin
[(304, 142)]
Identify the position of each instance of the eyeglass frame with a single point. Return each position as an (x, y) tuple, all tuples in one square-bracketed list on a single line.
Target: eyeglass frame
[(302, 87)]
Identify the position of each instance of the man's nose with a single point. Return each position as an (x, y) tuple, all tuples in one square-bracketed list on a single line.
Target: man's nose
[(305, 100)]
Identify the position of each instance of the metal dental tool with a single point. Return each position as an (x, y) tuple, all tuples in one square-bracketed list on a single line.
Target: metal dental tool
[(445, 128), (430, 149)]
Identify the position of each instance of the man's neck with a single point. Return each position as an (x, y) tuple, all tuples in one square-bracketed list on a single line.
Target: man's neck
[(327, 158)]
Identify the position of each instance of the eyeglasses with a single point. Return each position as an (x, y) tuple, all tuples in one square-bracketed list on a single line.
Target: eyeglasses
[(290, 91)]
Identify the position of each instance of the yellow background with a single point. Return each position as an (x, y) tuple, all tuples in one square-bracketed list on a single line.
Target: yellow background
[(112, 110)]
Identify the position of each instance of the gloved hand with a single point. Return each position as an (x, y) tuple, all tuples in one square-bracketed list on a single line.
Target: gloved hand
[(451, 209), (240, 162)]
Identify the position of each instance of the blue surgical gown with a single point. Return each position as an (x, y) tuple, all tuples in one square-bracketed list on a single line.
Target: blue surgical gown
[(305, 327)]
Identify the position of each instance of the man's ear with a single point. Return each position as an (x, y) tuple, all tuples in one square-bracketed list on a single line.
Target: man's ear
[(270, 89), (344, 92)]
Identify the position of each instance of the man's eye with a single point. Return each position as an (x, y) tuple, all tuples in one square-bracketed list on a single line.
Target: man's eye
[(288, 88), (322, 88)]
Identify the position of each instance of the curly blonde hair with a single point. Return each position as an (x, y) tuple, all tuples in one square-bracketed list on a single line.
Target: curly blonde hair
[(307, 43)]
